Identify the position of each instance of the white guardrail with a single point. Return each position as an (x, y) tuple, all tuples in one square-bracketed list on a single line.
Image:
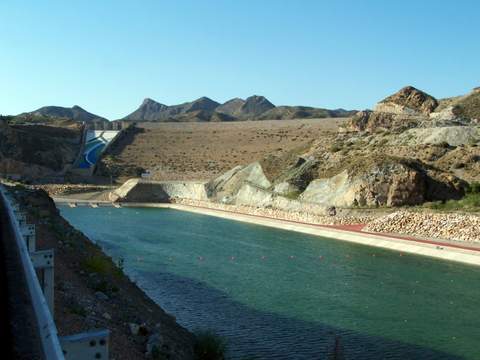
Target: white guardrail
[(88, 345), (46, 326)]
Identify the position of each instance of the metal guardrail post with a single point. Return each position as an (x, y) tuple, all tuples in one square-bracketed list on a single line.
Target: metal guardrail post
[(44, 261), (28, 233), (85, 346), (45, 324)]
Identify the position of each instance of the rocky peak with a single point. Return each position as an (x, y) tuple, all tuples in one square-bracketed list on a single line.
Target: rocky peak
[(231, 107), (148, 101), (408, 101), (256, 105), (203, 103)]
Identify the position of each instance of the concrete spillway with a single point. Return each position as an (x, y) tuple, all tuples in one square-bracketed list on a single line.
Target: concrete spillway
[(95, 143)]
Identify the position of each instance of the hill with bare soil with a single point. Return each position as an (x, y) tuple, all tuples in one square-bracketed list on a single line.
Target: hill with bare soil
[(37, 151), (201, 151)]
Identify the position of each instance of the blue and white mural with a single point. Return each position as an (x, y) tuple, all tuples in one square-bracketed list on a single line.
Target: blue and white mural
[(95, 142)]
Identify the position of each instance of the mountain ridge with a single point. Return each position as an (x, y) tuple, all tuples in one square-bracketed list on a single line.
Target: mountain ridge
[(75, 113), (255, 107)]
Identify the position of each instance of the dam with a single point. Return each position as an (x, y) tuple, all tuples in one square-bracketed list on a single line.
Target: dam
[(275, 294)]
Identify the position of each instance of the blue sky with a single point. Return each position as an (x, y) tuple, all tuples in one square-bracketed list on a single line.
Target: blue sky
[(108, 55)]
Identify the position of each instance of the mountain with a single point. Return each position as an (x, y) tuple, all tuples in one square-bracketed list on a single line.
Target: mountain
[(148, 110), (151, 110), (75, 113), (254, 106), (250, 108), (302, 112), (231, 107), (204, 109)]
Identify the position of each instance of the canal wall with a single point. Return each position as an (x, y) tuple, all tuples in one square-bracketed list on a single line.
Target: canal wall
[(438, 249)]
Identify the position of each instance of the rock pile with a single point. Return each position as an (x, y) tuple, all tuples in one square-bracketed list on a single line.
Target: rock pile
[(456, 227), (299, 216), (65, 189)]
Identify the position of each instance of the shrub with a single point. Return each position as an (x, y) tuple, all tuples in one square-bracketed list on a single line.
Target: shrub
[(335, 148), (474, 188), (209, 346), (101, 265)]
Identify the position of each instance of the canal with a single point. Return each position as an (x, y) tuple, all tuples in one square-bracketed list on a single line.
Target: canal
[(276, 294)]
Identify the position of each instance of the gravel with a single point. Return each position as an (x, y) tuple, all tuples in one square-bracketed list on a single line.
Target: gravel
[(456, 227)]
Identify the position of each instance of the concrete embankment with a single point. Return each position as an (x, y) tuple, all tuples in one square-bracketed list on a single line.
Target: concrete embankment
[(446, 250), (139, 190)]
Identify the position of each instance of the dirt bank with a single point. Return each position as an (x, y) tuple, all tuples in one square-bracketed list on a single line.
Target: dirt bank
[(91, 292)]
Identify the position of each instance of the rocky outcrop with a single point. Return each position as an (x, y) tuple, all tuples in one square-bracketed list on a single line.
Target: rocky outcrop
[(390, 183), (139, 190), (407, 108), (451, 135), (225, 187), (296, 179), (409, 101)]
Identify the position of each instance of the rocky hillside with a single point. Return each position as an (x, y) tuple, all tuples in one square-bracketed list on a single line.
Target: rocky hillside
[(204, 109), (37, 151), (413, 108), (410, 150)]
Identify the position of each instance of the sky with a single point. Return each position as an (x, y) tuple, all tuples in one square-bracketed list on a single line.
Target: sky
[(107, 56)]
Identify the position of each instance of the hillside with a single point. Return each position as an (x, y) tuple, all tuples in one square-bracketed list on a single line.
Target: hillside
[(37, 151), (408, 151), (193, 151)]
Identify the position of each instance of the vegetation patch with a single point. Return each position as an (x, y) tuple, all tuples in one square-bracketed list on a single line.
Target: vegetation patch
[(209, 346), (470, 202), (101, 265)]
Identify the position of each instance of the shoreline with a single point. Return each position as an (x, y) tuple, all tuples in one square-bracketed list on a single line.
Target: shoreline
[(437, 249)]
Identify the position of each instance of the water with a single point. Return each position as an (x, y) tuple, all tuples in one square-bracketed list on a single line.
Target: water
[(277, 294)]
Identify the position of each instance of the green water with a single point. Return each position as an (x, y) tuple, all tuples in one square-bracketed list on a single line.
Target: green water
[(277, 294)]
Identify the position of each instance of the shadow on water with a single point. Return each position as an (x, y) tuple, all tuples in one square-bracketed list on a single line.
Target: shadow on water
[(262, 335)]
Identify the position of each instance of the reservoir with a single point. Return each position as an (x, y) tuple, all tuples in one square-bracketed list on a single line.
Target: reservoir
[(276, 294)]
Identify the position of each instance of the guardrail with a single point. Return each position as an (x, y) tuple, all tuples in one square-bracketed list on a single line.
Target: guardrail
[(87, 345)]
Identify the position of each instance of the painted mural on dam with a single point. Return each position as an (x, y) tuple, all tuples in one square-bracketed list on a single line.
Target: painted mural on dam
[(95, 142)]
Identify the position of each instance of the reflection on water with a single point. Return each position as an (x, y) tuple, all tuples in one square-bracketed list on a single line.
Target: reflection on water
[(277, 294)]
